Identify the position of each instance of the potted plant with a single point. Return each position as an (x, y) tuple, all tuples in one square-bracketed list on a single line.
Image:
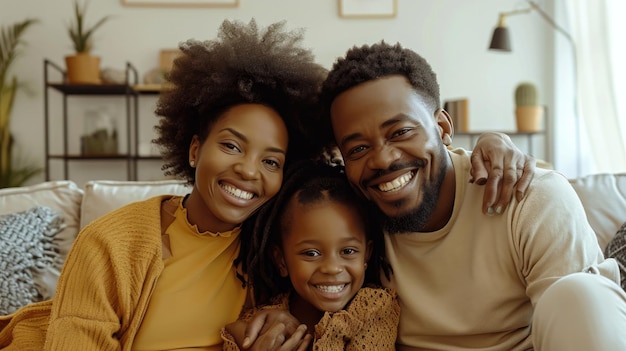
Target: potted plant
[(528, 113), (82, 67), (12, 172)]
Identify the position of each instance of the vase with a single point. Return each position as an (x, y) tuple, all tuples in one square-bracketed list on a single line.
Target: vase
[(529, 118), (83, 68)]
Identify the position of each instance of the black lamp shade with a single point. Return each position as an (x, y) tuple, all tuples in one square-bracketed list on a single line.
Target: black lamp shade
[(500, 39)]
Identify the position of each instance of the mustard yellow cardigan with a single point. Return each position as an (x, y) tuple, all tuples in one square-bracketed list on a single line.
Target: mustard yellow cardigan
[(104, 288)]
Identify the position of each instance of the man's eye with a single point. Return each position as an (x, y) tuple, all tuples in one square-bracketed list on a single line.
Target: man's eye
[(401, 132), (356, 150)]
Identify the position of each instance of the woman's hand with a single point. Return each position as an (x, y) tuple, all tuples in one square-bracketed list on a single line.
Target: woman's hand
[(499, 165), (271, 330)]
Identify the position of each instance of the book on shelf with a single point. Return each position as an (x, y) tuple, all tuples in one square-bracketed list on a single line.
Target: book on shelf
[(458, 109)]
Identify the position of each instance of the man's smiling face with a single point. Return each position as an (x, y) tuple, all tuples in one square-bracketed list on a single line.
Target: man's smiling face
[(392, 146)]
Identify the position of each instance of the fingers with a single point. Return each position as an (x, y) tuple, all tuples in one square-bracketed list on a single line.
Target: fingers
[(253, 329), (275, 339), (492, 191), (478, 171), (506, 189), (528, 172), (271, 339), (298, 341)]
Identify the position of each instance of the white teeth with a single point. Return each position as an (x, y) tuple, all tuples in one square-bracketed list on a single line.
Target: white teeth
[(330, 288), (396, 183), (242, 194)]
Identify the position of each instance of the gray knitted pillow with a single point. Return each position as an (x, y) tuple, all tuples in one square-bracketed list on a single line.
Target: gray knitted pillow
[(617, 250), (27, 247)]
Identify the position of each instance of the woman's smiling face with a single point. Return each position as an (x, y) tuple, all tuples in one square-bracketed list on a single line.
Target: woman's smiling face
[(239, 166)]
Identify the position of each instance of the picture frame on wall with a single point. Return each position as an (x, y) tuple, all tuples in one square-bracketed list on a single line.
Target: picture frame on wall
[(181, 3), (368, 8)]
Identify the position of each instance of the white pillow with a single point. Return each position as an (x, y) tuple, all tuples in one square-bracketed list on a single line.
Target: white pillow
[(604, 197), (104, 196)]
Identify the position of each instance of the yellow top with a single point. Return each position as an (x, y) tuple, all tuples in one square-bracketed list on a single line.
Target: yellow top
[(105, 288), (185, 311)]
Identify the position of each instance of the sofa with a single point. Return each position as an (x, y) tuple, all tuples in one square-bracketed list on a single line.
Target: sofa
[(59, 209)]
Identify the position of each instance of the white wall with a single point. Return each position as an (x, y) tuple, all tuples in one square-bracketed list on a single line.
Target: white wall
[(452, 34)]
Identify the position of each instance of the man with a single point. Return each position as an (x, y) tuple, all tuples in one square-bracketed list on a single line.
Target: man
[(465, 281)]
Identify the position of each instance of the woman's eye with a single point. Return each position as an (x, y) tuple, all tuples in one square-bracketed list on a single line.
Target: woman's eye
[(272, 163), (231, 146)]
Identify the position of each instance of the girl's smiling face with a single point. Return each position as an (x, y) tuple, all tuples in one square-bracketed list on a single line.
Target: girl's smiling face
[(324, 252), (239, 167)]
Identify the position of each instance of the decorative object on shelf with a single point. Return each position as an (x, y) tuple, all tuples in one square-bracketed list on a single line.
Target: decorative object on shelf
[(158, 76), (500, 42), (458, 109), (182, 3), (100, 136), (13, 172), (82, 67), (528, 113), (110, 75), (367, 8)]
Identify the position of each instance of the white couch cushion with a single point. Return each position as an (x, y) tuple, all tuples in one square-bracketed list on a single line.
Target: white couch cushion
[(604, 199), (103, 196), (62, 196)]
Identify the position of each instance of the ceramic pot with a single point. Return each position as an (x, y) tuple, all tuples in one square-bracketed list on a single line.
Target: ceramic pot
[(529, 118), (83, 68)]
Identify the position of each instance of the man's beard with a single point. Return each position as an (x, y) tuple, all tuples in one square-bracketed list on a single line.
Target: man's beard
[(415, 219)]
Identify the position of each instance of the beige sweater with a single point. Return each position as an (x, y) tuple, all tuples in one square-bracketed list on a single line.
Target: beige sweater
[(473, 284)]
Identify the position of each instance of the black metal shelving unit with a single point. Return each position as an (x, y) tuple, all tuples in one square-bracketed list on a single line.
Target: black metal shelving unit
[(126, 91)]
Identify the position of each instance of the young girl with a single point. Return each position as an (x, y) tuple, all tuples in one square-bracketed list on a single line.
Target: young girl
[(320, 258)]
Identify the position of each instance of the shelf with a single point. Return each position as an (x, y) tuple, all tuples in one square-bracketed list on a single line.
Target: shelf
[(90, 157), (477, 133), (147, 88), (155, 157), (92, 89), (130, 91)]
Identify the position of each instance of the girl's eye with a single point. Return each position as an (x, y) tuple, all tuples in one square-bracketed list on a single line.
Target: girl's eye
[(311, 253), (349, 251)]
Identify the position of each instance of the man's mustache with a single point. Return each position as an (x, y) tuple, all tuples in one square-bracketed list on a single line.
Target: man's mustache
[(394, 167)]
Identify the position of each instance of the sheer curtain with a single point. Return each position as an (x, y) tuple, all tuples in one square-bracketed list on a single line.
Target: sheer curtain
[(593, 138)]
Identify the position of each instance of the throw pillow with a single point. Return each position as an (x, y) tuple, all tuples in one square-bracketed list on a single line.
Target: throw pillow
[(617, 250), (27, 247)]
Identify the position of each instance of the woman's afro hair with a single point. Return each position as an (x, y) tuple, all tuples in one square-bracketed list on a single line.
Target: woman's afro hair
[(244, 64), (366, 63)]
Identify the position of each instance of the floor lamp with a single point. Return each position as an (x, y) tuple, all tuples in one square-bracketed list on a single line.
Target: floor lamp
[(500, 40)]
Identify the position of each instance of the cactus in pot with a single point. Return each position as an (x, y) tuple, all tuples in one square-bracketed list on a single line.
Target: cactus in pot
[(528, 113), (526, 94)]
